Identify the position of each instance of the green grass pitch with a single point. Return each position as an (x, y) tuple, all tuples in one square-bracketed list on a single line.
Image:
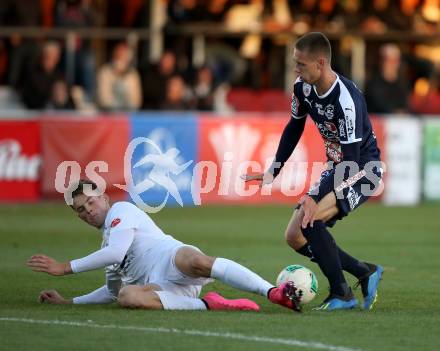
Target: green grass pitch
[(405, 241)]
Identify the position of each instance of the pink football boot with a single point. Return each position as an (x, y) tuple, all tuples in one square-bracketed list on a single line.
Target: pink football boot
[(285, 295), (215, 301)]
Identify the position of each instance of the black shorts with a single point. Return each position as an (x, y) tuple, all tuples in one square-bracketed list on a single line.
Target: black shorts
[(353, 192)]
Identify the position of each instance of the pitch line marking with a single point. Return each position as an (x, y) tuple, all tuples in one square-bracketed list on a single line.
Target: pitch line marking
[(235, 336)]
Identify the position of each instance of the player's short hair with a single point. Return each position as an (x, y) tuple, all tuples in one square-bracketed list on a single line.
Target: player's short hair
[(78, 188), (315, 43)]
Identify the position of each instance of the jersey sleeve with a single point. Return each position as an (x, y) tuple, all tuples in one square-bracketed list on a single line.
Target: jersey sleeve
[(353, 110), (123, 216), (119, 243), (122, 220), (299, 108), (101, 295)]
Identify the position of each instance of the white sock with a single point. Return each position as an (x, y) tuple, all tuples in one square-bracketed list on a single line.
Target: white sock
[(239, 277), (172, 301)]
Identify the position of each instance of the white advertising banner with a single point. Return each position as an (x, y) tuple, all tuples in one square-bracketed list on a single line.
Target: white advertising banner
[(403, 161), (432, 159)]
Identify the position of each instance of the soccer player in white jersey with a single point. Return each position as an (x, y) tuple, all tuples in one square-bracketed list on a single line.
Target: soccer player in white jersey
[(338, 109), (146, 268)]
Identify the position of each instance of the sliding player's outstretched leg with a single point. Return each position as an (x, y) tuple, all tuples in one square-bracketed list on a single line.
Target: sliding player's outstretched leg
[(193, 263)]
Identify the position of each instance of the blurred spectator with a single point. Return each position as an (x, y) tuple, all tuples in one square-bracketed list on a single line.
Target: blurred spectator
[(204, 89), (185, 11), (382, 15), (226, 63), (119, 85), (20, 13), (245, 16), (177, 96), (3, 62), (128, 13), (387, 91), (78, 14), (191, 11), (426, 96), (40, 77), (155, 79), (21, 51), (61, 98)]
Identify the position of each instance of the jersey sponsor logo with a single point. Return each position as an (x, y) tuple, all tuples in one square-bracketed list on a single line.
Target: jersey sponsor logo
[(350, 127), (307, 88), (328, 130), (320, 109), (295, 104), (353, 198), (350, 181), (329, 111), (333, 151), (342, 128), (331, 127), (115, 222)]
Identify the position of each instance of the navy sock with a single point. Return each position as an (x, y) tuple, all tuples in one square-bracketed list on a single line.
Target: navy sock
[(348, 263), (352, 265), (306, 250), (326, 255)]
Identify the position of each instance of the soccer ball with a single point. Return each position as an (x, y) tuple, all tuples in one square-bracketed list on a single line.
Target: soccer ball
[(303, 278)]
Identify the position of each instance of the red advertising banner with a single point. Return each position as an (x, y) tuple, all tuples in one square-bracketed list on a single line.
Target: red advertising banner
[(85, 145), (20, 160), (234, 146), (231, 147)]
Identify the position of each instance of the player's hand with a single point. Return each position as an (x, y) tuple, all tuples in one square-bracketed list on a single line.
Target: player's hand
[(262, 178), (310, 208), (43, 263), (53, 297)]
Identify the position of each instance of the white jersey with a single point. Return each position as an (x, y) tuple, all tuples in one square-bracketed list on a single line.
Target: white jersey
[(132, 245), (141, 256)]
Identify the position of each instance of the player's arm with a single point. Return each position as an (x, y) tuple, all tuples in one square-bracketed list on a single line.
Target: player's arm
[(289, 139), (105, 294), (98, 296), (119, 243)]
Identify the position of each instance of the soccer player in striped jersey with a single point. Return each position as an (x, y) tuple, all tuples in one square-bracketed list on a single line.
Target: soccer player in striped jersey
[(337, 108)]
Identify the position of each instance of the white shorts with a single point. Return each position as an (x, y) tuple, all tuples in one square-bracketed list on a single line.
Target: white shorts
[(167, 275)]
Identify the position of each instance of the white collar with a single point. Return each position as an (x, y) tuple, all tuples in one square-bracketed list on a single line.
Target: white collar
[(328, 91)]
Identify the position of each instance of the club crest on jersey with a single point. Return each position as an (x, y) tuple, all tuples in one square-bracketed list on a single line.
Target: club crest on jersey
[(307, 88), (115, 222), (329, 111), (328, 130), (331, 127)]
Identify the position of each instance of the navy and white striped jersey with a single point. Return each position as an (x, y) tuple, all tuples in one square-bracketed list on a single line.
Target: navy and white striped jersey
[(340, 115)]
